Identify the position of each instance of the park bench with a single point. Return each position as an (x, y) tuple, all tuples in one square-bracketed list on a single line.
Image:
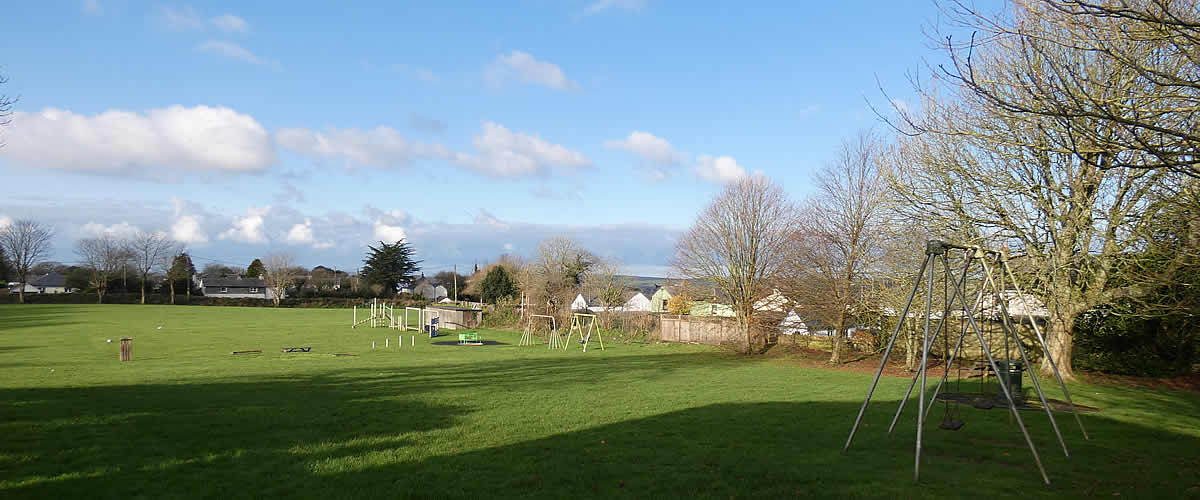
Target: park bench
[(297, 349), (469, 338)]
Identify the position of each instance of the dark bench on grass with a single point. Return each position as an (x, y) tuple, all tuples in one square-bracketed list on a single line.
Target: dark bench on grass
[(297, 349), (255, 351)]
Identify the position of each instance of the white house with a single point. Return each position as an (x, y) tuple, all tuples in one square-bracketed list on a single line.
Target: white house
[(638, 302), (793, 325), (579, 304), (50, 283), (775, 302)]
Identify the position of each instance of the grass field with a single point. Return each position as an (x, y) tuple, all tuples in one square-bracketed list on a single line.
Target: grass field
[(187, 419)]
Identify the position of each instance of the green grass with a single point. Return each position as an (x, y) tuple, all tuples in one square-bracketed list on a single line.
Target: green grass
[(187, 419)]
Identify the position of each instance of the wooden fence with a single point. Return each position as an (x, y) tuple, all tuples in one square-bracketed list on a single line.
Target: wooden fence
[(699, 330)]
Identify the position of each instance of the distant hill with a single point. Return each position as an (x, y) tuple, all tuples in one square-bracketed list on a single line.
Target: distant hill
[(647, 284)]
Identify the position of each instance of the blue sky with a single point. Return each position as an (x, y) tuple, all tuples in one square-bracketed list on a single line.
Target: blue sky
[(472, 129)]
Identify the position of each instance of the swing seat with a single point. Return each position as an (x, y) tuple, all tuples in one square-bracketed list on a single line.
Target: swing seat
[(951, 424)]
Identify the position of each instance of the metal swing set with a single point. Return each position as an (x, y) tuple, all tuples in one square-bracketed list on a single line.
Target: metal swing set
[(991, 270)]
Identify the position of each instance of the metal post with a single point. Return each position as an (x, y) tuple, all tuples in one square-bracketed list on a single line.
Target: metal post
[(1007, 326), (913, 383), (1045, 347), (886, 352), (924, 365), (1007, 395)]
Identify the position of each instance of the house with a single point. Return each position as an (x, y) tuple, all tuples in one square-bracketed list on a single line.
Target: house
[(15, 287), (661, 296), (235, 288), (636, 301), (50, 283), (793, 325), (579, 304), (429, 291), (775, 302), (703, 308)]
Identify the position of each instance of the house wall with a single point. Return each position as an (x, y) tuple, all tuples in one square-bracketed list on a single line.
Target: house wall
[(237, 292), (578, 304), (50, 290), (454, 319), (657, 301), (711, 309)]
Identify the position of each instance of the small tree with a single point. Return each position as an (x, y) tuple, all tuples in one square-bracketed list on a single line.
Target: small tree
[(679, 304), (255, 269), (497, 285), (26, 242), (279, 273), (181, 268), (390, 265), (148, 250), (102, 257)]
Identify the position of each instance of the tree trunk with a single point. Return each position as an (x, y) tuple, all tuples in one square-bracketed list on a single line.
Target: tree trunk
[(143, 290), (910, 349), (99, 295), (836, 357), (172, 281), (1061, 344)]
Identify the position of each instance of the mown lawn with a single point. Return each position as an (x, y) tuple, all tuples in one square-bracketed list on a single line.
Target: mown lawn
[(187, 419)]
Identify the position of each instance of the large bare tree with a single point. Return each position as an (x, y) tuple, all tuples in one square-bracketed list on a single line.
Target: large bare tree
[(26, 242), (840, 238), (103, 256), (1154, 45), (147, 251), (6, 106), (279, 273), (1038, 184), (738, 244)]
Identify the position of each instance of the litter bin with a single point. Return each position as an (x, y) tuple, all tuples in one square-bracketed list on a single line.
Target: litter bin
[(1012, 370)]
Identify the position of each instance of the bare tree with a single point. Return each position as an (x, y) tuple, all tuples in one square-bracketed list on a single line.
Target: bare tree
[(279, 274), (738, 244), (103, 257), (840, 238), (1037, 184), (6, 106), (147, 251), (26, 242), (1154, 45)]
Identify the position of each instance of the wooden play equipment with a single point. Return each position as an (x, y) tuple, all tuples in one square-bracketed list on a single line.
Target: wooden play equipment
[(988, 272), (527, 338), (585, 332)]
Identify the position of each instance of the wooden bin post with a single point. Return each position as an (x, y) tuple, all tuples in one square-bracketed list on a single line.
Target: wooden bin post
[(126, 349)]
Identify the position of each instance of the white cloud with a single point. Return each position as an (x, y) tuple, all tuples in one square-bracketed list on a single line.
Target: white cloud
[(230, 23), (719, 169), (503, 153), (231, 50), (499, 151), (380, 147), (603, 5), (189, 229), (508, 247), (5, 221), (119, 230), (174, 138), (425, 75), (525, 68), (301, 234), (650, 148), (389, 233), (187, 18), (91, 6), (248, 228)]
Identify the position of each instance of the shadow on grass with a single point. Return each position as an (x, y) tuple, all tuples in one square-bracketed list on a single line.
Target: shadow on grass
[(369, 432), (15, 317)]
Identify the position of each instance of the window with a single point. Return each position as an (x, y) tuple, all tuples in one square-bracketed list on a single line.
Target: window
[(664, 304), (253, 289), (224, 290)]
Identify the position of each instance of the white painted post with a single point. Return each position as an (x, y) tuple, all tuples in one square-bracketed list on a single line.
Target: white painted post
[(355, 320), (387, 342), (411, 340), (372, 344)]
